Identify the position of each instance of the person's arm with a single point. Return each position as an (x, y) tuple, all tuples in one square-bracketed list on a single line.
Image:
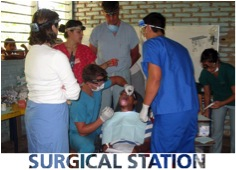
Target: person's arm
[(25, 48), (110, 63), (153, 83), (85, 129), (152, 87), (118, 80), (207, 99), (143, 148), (106, 146), (70, 86), (135, 55), (218, 104)]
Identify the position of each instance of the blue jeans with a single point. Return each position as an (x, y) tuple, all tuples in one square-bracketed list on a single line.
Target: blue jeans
[(217, 130)]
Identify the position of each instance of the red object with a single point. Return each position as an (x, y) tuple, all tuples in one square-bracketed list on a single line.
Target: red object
[(22, 103)]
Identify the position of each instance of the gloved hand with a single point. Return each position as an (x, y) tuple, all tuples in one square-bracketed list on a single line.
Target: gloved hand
[(129, 89), (106, 113), (144, 113)]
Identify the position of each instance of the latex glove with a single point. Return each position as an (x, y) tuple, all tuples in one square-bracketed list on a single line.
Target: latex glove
[(106, 113), (129, 89), (144, 113)]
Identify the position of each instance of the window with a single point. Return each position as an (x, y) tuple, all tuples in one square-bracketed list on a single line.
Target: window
[(63, 8), (16, 24)]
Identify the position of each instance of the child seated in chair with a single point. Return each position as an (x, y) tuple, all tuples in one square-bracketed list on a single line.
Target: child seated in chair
[(125, 132), (11, 49)]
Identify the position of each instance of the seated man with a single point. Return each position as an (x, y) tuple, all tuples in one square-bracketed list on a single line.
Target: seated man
[(85, 121), (125, 132)]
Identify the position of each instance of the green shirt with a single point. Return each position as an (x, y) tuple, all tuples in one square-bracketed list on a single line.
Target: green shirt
[(220, 85)]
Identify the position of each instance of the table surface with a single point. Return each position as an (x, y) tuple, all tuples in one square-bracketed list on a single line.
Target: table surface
[(12, 111)]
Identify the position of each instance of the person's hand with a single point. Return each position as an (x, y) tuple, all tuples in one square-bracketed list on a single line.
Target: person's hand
[(112, 62), (144, 113), (106, 114), (106, 146), (135, 149), (23, 46), (217, 104), (129, 89)]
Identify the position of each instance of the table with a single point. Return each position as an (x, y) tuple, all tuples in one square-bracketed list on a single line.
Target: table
[(204, 141), (11, 114)]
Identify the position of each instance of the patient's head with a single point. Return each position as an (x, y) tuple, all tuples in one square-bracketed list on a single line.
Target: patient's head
[(127, 102)]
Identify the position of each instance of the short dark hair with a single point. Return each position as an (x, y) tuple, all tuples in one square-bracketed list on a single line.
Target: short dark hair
[(92, 71), (44, 19), (210, 55), (8, 41), (70, 24), (156, 19), (110, 6)]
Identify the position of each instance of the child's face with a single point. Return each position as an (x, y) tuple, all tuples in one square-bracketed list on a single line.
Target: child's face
[(10, 46), (126, 100)]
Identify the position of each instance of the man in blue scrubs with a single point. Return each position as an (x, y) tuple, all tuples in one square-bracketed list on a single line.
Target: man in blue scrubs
[(85, 119), (170, 89)]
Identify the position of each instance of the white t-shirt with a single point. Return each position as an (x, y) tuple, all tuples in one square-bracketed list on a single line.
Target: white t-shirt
[(48, 70)]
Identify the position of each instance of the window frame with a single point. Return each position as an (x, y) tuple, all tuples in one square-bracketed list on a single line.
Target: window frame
[(64, 14)]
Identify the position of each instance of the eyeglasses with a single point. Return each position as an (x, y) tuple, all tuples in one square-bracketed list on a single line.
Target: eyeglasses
[(209, 66), (108, 14), (96, 81), (142, 29), (142, 24)]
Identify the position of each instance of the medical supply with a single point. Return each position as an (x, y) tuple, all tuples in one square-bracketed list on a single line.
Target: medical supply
[(106, 113), (144, 113), (208, 106), (129, 89)]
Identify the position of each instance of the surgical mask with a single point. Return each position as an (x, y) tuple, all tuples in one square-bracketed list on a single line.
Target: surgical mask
[(113, 28), (99, 87)]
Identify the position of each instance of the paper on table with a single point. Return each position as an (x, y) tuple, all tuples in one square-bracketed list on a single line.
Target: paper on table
[(203, 118), (204, 139)]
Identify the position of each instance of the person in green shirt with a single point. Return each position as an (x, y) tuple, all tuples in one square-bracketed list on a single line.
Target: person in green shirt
[(218, 80)]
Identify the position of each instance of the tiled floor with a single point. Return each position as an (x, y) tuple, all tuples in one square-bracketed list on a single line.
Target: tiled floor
[(8, 147)]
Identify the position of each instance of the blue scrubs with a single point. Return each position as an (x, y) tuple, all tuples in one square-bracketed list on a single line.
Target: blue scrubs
[(47, 127), (177, 95), (86, 109)]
